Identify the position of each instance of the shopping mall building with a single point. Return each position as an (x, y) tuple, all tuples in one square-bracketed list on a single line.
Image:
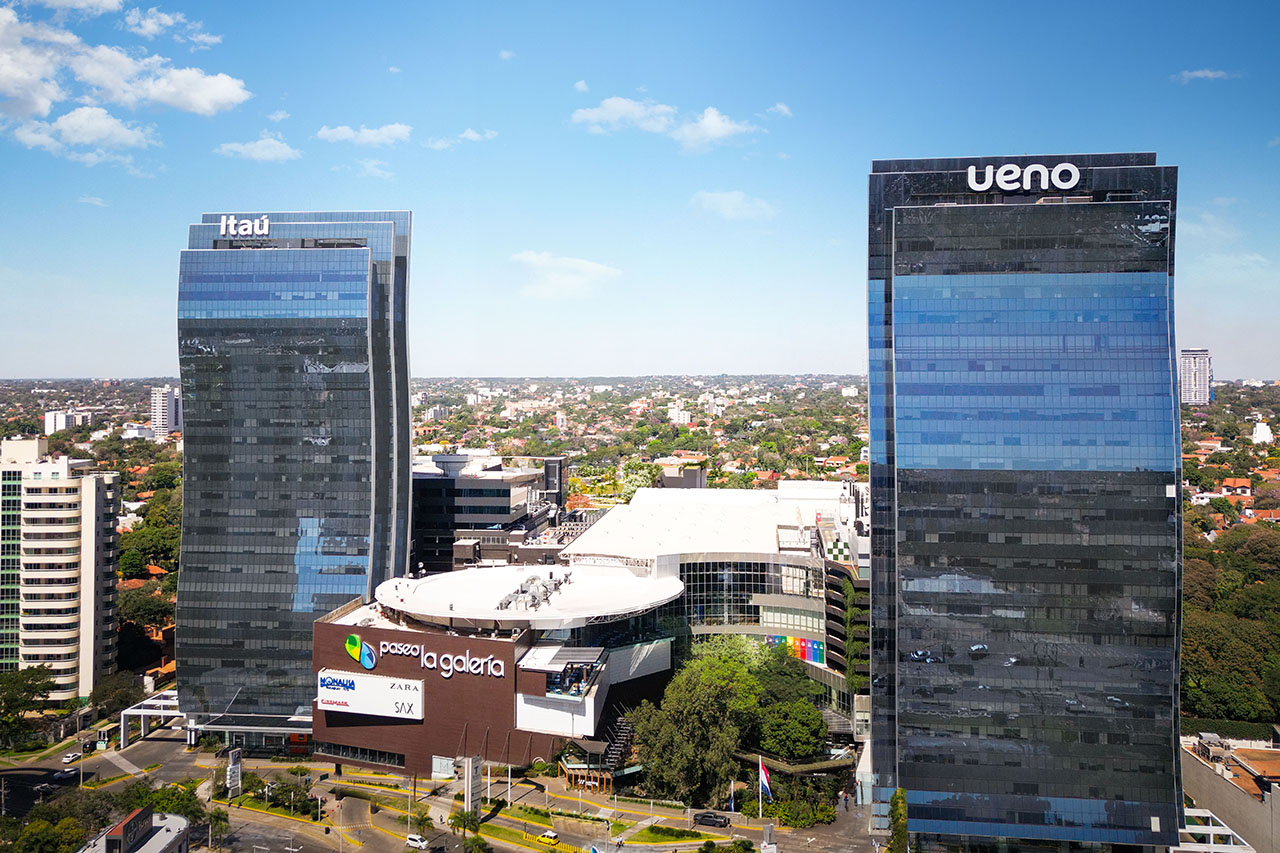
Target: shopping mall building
[(509, 662)]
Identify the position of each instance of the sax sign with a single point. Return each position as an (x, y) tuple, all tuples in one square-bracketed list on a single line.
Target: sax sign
[(359, 693)]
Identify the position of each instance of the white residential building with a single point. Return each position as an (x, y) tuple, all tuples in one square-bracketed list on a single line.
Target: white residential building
[(58, 554), (1262, 433), (59, 421), (1195, 377), (166, 411)]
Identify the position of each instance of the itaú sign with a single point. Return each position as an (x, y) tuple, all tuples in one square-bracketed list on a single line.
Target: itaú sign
[(229, 226), (1012, 178), (361, 693), (446, 664)]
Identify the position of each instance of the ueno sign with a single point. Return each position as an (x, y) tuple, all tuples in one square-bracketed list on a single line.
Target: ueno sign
[(1011, 177), (447, 664), (229, 226)]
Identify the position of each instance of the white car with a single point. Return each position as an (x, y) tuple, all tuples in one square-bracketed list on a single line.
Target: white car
[(417, 842), (72, 756)]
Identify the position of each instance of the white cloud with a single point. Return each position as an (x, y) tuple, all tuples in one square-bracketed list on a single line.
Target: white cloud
[(504, 55), (780, 109), (782, 155), (373, 169), (614, 113), (468, 135), (30, 57), (118, 77), (194, 91), (268, 148), (84, 135), (556, 276), (581, 86), (95, 126), (202, 41), (278, 115), (35, 59), (388, 134), (154, 22), (1185, 77), (708, 129), (394, 70), (1273, 143), (93, 200), (88, 7), (734, 204)]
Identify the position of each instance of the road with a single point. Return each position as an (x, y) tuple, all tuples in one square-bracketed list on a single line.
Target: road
[(354, 828)]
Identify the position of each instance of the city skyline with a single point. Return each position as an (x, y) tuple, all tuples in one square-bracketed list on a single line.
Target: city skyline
[(702, 177)]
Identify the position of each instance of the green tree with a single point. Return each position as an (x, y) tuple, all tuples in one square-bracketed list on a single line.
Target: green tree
[(132, 565), (22, 691), (687, 745), (1199, 583), (898, 822), (464, 821), (40, 836), (116, 692), (219, 825), (794, 730), (476, 844), (143, 608)]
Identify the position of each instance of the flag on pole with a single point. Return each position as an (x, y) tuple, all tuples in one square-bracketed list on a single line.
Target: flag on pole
[(764, 780), (731, 786)]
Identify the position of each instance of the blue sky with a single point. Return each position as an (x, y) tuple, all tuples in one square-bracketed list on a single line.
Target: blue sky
[(600, 188)]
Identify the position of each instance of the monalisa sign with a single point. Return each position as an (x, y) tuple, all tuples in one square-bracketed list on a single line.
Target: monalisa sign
[(358, 693)]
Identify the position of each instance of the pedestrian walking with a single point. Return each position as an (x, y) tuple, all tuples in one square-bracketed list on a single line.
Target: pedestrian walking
[(846, 801)]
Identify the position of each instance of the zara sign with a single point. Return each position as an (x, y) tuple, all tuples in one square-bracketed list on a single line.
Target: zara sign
[(1012, 178)]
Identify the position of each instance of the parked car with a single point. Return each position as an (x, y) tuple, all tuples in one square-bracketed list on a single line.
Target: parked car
[(72, 756), (417, 842), (710, 819)]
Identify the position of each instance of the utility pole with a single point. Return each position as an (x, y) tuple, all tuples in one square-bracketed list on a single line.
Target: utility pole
[(4, 791)]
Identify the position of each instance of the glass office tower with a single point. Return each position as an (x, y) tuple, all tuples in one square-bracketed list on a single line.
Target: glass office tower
[(291, 335), (1026, 511)]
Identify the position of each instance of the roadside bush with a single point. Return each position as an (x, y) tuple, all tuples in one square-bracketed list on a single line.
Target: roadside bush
[(673, 833)]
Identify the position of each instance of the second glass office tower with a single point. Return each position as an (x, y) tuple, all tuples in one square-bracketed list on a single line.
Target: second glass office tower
[(291, 334), (1026, 510)]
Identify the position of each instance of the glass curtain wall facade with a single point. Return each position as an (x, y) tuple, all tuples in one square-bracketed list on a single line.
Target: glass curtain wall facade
[(296, 461), (1026, 510)]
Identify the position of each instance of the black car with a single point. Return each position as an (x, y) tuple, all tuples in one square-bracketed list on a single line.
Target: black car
[(710, 819)]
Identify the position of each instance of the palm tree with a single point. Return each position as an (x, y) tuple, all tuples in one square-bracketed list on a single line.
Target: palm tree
[(422, 823), (219, 824), (465, 821)]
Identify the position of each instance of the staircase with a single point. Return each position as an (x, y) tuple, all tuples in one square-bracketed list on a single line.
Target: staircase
[(621, 733)]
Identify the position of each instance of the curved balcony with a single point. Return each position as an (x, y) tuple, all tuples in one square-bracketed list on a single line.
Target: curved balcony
[(30, 634)]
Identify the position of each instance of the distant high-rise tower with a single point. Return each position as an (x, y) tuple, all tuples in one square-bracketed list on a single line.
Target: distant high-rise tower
[(1195, 376), (166, 411), (291, 336), (58, 547), (1026, 504)]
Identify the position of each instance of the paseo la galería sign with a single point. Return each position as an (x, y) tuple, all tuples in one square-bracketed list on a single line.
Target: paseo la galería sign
[(229, 226), (1011, 177), (446, 664)]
